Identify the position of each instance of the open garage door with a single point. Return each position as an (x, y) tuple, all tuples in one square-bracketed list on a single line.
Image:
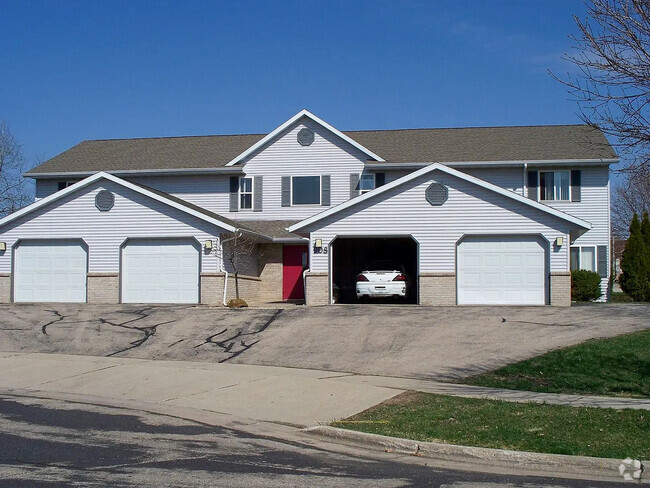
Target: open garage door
[(352, 255), (501, 270), (50, 271), (160, 271)]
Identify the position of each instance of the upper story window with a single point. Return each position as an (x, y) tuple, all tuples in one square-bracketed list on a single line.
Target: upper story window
[(65, 184), (583, 257), (554, 185), (245, 193), (366, 183), (305, 190)]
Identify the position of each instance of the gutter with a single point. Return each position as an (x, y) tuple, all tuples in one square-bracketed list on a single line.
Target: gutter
[(545, 162), (140, 172)]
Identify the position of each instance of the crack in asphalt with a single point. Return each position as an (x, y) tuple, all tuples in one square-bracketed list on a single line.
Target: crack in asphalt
[(58, 319), (148, 330), (227, 344)]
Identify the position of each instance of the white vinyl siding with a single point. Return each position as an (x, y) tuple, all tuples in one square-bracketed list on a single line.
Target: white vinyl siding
[(470, 209), (511, 178), (133, 215), (594, 208)]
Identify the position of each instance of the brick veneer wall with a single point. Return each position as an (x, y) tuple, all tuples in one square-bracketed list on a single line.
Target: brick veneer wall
[(103, 288), (438, 289), (270, 266), (561, 289), (317, 285), (5, 288)]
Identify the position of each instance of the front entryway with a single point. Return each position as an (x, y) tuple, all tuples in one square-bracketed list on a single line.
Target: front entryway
[(160, 271), (294, 262)]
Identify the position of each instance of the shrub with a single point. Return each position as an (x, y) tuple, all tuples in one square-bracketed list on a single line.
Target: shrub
[(585, 286)]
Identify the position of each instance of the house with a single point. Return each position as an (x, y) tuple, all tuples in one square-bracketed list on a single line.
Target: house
[(492, 215)]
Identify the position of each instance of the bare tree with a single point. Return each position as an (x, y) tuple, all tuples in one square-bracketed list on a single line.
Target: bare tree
[(13, 193), (630, 197), (613, 84), (241, 253)]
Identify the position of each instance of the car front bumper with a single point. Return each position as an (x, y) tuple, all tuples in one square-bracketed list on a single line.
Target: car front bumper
[(381, 289)]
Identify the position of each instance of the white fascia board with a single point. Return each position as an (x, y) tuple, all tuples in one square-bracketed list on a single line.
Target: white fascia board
[(445, 169), (303, 113), (477, 164), (101, 175), (128, 172)]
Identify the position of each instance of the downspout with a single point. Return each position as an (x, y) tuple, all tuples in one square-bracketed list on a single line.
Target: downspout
[(223, 267), (523, 181)]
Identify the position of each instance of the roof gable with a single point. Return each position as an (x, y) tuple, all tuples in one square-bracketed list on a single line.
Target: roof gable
[(177, 203), (430, 169), (280, 129)]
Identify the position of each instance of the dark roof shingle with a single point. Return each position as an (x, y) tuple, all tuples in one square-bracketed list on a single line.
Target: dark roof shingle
[(524, 143)]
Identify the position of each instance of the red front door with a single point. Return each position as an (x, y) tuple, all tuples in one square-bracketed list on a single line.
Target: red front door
[(294, 260)]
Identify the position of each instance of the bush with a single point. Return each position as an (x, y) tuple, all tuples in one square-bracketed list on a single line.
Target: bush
[(585, 286)]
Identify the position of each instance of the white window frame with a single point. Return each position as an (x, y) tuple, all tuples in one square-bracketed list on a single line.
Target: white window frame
[(555, 198), (374, 182), (580, 248), (240, 193), (320, 191)]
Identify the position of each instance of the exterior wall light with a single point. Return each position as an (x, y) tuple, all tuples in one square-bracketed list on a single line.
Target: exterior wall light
[(208, 245), (559, 241), (3, 246)]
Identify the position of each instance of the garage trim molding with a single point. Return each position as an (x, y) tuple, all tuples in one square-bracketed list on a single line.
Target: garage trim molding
[(458, 174)]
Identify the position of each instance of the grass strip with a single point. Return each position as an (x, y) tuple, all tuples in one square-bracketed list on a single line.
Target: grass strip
[(618, 366), (556, 429)]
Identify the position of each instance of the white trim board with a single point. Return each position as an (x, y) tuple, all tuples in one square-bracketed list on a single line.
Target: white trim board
[(303, 113), (445, 169), (102, 175)]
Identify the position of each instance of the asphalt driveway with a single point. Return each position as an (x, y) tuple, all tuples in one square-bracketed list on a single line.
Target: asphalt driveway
[(418, 342)]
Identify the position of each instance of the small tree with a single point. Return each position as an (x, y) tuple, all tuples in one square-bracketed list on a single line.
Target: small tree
[(645, 231), (241, 253), (635, 280)]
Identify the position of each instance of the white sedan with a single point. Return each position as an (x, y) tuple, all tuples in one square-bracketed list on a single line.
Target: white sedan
[(382, 281)]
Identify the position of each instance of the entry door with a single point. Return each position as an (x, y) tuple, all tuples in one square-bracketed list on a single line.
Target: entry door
[(501, 270), (160, 271), (294, 261), (50, 271)]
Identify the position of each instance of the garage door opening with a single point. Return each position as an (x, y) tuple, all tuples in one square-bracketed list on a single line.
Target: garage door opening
[(352, 255)]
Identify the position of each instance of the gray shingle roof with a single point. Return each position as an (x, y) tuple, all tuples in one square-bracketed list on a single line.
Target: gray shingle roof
[(271, 228), (524, 143)]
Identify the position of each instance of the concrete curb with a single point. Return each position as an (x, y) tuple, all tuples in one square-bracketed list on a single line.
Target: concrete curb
[(557, 464)]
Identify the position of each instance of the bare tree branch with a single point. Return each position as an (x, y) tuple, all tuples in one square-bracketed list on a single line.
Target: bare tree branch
[(630, 197), (613, 85), (241, 254), (13, 193)]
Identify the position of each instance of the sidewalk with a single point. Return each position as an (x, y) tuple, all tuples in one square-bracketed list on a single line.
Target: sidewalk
[(300, 397)]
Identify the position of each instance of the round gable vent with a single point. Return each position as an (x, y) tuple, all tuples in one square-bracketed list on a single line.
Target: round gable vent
[(436, 194), (104, 200), (305, 137)]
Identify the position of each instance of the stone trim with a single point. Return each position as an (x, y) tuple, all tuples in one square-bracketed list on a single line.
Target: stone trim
[(560, 273), (437, 275), (221, 274), (102, 275)]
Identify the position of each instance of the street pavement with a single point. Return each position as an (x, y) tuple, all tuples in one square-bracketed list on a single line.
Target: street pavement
[(53, 443)]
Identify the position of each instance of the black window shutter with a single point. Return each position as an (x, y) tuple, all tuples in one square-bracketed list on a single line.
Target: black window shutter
[(325, 190), (286, 191), (258, 191), (532, 185), (602, 261), (380, 179), (576, 184), (354, 185), (234, 193)]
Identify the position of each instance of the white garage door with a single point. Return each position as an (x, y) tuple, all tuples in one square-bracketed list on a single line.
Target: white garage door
[(501, 270), (50, 271), (160, 271)]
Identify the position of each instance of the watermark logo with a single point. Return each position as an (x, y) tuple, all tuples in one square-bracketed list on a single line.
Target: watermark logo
[(631, 469)]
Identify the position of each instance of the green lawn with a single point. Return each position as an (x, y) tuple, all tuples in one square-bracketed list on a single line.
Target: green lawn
[(524, 427), (619, 366)]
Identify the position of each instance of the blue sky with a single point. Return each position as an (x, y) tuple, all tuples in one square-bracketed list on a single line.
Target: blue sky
[(75, 70)]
